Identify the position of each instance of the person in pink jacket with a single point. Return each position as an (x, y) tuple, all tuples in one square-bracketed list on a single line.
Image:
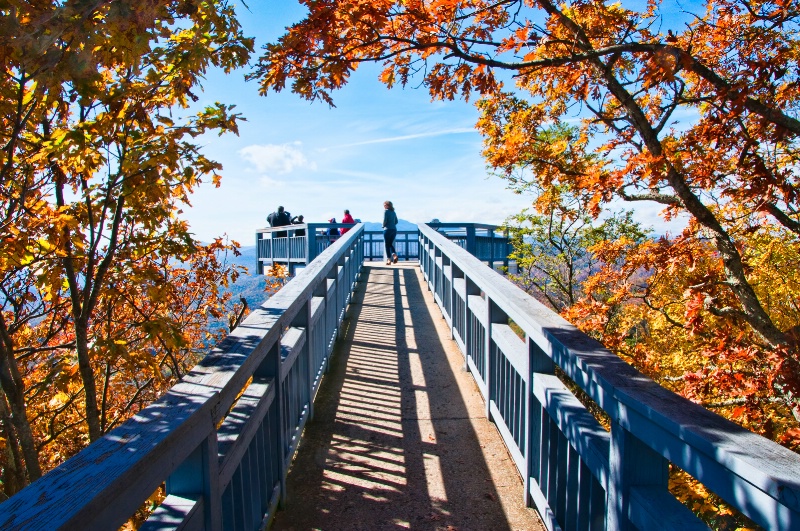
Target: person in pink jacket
[(347, 219)]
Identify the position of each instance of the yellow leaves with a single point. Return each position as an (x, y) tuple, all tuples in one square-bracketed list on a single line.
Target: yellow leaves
[(58, 400), (30, 92), (98, 136)]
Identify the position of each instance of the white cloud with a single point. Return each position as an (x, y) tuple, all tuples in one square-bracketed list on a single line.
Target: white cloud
[(456, 131), (277, 159)]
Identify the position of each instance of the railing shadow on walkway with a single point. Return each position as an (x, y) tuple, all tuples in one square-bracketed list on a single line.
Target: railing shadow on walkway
[(394, 444)]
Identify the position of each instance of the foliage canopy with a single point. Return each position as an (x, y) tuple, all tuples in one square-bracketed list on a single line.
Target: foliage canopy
[(104, 294), (701, 118)]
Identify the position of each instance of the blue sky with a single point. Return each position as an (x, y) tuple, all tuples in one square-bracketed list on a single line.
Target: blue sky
[(377, 144)]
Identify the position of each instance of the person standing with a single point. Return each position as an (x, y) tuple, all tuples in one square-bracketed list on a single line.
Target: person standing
[(280, 218), (389, 231), (346, 219)]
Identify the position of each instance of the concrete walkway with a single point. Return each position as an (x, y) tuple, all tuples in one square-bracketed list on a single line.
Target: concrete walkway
[(399, 439)]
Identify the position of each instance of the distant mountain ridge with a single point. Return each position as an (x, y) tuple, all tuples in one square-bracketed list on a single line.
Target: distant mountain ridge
[(249, 285), (402, 224)]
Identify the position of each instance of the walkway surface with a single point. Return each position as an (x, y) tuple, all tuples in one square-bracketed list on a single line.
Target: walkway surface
[(400, 438)]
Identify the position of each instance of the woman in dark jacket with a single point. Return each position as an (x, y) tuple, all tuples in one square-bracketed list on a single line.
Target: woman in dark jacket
[(389, 231)]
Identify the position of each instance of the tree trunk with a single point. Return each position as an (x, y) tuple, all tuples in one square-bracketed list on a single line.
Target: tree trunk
[(87, 376), (753, 312), (14, 469), (14, 390)]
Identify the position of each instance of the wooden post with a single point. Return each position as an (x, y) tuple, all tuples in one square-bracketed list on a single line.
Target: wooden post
[(455, 273), (311, 242), (270, 367), (301, 320), (447, 298), (198, 476), (539, 363), (333, 274), (491, 248), (259, 264), (321, 291), (471, 249), (631, 463), (341, 293), (495, 315), (472, 289), (506, 250), (435, 277)]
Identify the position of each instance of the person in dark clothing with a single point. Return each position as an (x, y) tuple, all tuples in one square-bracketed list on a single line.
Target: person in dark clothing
[(346, 219), (333, 232), (389, 231), (280, 218), (298, 220)]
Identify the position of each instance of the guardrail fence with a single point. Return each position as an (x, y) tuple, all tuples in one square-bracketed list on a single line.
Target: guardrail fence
[(297, 245), (578, 475), (221, 439)]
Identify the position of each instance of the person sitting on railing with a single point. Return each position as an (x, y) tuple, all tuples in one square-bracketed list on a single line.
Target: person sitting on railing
[(346, 219), (280, 218), (333, 232), (298, 220)]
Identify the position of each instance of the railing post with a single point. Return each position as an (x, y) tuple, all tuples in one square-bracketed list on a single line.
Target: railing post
[(301, 320), (436, 270), (539, 363), (339, 293), (333, 315), (311, 242), (471, 249), (506, 250), (457, 274), (270, 367), (469, 332), (491, 248), (447, 298), (631, 463), (494, 315), (259, 264), (198, 476), (321, 291)]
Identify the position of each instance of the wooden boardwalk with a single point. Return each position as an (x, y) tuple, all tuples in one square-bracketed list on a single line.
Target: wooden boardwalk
[(400, 438)]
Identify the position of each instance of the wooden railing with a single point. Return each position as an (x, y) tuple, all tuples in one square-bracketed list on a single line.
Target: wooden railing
[(294, 245), (222, 438), (578, 475), (406, 243)]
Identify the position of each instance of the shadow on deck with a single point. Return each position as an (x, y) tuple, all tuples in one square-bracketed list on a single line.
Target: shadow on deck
[(400, 437)]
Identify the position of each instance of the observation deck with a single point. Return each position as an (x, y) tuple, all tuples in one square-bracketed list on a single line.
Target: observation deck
[(345, 402)]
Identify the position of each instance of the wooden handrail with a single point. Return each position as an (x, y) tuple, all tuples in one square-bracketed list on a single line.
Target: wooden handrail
[(247, 397), (574, 470)]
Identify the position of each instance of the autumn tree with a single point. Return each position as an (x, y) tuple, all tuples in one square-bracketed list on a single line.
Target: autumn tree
[(104, 293), (551, 246), (698, 115)]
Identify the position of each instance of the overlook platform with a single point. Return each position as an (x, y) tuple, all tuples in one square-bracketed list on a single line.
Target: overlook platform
[(400, 437)]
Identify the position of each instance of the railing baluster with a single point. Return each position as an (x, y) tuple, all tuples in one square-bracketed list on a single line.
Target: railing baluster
[(632, 464), (572, 473), (541, 363)]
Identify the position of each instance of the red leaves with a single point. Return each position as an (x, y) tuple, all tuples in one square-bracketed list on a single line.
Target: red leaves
[(694, 311)]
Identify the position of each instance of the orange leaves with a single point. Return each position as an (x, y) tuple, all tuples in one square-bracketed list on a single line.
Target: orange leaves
[(694, 310), (93, 178), (387, 77)]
